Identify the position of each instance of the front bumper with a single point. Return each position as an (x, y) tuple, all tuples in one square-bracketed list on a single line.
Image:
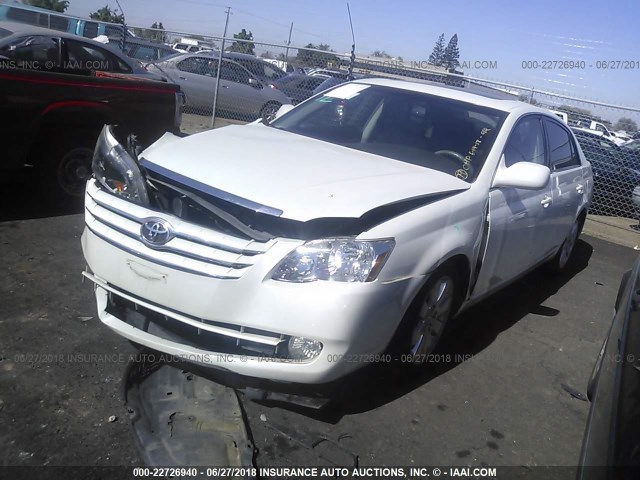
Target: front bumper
[(224, 316)]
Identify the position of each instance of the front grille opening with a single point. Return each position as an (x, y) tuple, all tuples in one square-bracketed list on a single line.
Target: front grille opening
[(170, 201), (166, 197), (174, 330)]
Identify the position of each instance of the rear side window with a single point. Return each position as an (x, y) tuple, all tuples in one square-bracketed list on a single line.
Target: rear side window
[(562, 151), (526, 143), (142, 52), (199, 66), (234, 73), (88, 57), (262, 69)]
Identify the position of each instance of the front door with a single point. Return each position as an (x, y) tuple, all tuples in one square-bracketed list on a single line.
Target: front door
[(517, 216)]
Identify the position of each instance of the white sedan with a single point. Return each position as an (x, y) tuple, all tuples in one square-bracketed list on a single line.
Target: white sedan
[(350, 229)]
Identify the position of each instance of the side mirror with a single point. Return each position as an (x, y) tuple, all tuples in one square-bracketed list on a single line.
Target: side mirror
[(522, 175), (255, 83), (282, 110)]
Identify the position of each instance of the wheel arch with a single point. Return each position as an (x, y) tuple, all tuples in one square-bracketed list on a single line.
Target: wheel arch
[(74, 119), (460, 263)]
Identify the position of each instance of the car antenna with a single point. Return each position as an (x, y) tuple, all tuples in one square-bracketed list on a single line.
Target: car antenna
[(352, 59), (124, 28)]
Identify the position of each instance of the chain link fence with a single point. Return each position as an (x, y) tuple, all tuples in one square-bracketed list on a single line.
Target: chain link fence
[(232, 81)]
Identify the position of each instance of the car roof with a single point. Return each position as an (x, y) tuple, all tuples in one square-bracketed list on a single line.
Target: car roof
[(242, 56), (139, 41), (481, 98)]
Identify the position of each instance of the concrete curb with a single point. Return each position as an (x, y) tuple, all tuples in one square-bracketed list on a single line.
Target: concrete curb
[(613, 229)]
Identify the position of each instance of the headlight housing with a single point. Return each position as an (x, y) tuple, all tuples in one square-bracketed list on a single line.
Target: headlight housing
[(335, 259), (116, 171)]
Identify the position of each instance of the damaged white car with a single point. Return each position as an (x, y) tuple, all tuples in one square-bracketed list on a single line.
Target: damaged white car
[(349, 229)]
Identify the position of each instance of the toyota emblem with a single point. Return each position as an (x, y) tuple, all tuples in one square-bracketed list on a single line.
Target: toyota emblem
[(155, 232)]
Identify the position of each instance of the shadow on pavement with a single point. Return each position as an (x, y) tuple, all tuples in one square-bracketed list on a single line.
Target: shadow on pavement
[(469, 334), (22, 200)]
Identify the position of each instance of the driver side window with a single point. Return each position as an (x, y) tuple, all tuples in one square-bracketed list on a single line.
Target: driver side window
[(526, 143)]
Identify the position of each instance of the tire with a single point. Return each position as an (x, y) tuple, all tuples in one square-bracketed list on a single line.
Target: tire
[(65, 166), (426, 319), (560, 261), (269, 110)]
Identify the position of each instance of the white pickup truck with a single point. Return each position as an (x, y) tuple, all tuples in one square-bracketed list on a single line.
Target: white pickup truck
[(599, 129)]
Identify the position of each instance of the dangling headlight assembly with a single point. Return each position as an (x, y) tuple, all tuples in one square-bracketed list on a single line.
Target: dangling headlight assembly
[(116, 171), (335, 259)]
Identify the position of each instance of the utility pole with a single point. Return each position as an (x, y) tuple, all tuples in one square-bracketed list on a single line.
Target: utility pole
[(286, 56), (215, 93)]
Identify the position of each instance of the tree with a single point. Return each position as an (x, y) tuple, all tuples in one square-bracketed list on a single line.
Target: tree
[(380, 54), (437, 56), (528, 99), (243, 47), (105, 14), (153, 35), (626, 124), (55, 5), (310, 58), (451, 54)]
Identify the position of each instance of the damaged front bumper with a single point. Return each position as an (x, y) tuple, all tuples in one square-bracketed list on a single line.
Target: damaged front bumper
[(208, 298)]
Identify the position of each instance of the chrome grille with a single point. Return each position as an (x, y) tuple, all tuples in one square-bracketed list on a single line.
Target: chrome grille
[(193, 248)]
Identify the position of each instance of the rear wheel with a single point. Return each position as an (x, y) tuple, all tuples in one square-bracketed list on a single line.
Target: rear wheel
[(65, 166), (560, 261)]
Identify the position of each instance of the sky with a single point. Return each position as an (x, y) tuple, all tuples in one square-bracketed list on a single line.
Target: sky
[(506, 32)]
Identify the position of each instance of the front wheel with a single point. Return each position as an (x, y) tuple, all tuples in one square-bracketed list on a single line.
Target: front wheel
[(269, 111), (425, 321)]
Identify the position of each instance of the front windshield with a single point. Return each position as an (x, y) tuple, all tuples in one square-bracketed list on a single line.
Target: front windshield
[(429, 131)]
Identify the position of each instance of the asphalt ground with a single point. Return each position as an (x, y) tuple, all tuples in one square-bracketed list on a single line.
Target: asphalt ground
[(498, 392)]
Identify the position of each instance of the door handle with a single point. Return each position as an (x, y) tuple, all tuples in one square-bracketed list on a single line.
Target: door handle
[(546, 201), (225, 86), (580, 189), (182, 78)]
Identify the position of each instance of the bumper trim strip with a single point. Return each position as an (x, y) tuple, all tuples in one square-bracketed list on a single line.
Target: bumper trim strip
[(271, 341)]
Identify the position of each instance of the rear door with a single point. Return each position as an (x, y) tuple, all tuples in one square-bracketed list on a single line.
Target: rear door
[(568, 185), (20, 103), (236, 94), (197, 79)]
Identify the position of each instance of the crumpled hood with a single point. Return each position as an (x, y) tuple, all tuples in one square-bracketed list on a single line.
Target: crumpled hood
[(303, 177)]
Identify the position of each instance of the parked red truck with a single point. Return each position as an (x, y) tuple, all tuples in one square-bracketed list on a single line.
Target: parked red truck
[(51, 119)]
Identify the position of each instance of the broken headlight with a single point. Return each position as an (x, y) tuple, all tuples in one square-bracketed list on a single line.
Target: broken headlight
[(116, 170), (335, 259)]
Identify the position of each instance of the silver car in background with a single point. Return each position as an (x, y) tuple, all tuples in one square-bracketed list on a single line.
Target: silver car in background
[(241, 95)]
